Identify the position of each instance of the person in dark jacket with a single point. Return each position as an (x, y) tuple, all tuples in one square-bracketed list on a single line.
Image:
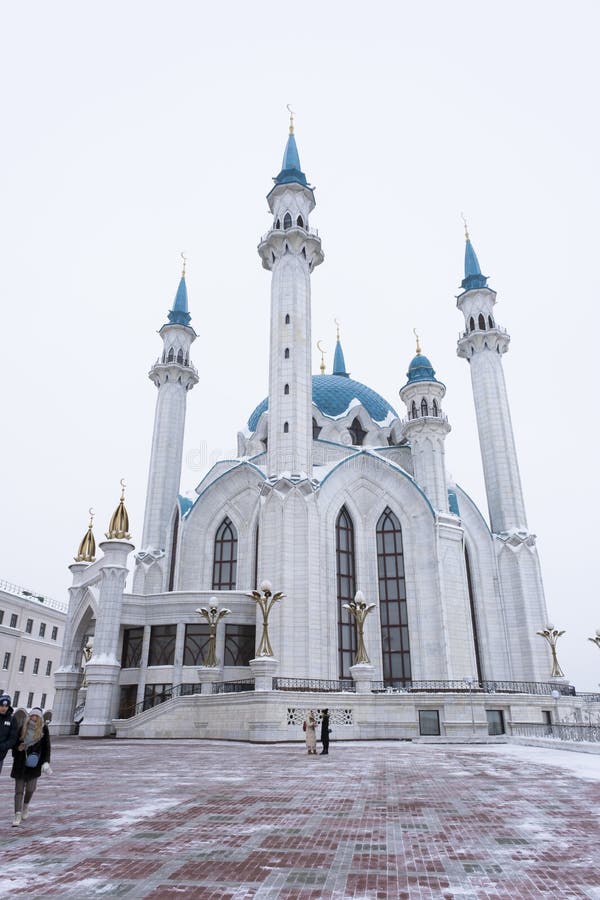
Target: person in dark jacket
[(8, 727), (325, 731), (31, 757)]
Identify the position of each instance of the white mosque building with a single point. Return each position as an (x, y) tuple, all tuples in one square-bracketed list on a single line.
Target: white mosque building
[(333, 492)]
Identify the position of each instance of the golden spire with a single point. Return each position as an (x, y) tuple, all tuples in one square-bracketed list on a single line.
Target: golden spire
[(184, 262), (119, 523), (322, 351), (291, 112), (418, 344), (462, 215), (87, 547)]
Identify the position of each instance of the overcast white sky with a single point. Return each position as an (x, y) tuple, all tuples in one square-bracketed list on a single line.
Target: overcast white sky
[(132, 131)]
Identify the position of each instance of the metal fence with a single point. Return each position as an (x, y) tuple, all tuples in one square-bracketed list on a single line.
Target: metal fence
[(558, 732), (314, 685), (233, 687), (481, 687)]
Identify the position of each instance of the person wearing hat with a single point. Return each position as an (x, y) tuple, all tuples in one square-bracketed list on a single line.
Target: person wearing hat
[(31, 757), (8, 727)]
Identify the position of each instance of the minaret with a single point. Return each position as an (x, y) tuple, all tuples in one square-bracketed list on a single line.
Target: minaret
[(290, 250), (482, 345), (174, 376), (426, 427)]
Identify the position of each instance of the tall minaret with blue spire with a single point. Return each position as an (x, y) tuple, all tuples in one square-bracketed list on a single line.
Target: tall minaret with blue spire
[(290, 250), (482, 345), (174, 375)]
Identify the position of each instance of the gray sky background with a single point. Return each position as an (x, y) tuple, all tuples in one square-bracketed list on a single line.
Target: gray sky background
[(132, 131)]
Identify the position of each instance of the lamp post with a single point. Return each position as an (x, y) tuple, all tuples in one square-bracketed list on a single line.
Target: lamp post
[(265, 600), (359, 611), (470, 681), (552, 634), (213, 616), (596, 640)]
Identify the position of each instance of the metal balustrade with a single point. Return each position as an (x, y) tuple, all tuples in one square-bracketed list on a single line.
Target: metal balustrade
[(482, 687), (314, 685), (566, 732), (233, 687)]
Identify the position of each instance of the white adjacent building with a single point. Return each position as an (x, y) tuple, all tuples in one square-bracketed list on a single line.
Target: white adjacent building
[(333, 491), (32, 628)]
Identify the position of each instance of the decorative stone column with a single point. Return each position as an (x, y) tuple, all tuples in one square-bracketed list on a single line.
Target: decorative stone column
[(362, 673), (264, 668)]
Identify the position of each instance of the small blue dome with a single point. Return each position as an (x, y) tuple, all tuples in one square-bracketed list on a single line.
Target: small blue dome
[(333, 394), (420, 369)]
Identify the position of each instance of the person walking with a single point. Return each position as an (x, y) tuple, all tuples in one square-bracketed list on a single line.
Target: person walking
[(325, 731), (31, 757), (309, 725), (8, 727)]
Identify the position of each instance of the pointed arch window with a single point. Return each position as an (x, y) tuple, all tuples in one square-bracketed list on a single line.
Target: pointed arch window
[(490, 322), (413, 410), (424, 409), (392, 599), (225, 557), (481, 322), (286, 389), (357, 432), (471, 324), (300, 221), (346, 589), (286, 353), (278, 224), (287, 319), (434, 408), (171, 355), (287, 221), (180, 357)]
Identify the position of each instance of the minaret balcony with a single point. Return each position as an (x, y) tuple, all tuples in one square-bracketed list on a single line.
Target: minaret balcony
[(427, 418), (295, 240), (469, 342), (183, 372)]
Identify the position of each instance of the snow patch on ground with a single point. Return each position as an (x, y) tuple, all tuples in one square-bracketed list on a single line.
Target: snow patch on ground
[(582, 765)]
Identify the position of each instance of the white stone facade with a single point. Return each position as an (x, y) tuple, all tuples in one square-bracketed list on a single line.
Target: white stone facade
[(454, 596)]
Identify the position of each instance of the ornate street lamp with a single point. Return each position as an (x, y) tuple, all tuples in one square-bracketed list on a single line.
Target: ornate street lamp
[(213, 615), (265, 600), (596, 640), (359, 611), (552, 634)]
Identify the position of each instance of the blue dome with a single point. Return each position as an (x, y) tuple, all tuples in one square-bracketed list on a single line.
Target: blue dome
[(332, 395), (420, 369)]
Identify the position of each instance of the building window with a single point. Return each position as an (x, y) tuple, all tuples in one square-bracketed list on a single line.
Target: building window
[(16, 696), (357, 433), (36, 666), (1, 616), (48, 669), (156, 693), (240, 644), (424, 411), (392, 598), (162, 645), (473, 616), (29, 626), (13, 620), (490, 322), (495, 720), (471, 324), (131, 656), (43, 700), (546, 719), (6, 661), (127, 700), (429, 722), (196, 644), (225, 558), (30, 699), (346, 589), (316, 429), (287, 221), (287, 319), (286, 428), (434, 408), (42, 629), (413, 410), (54, 634), (286, 389), (481, 322), (300, 221), (22, 662), (286, 353)]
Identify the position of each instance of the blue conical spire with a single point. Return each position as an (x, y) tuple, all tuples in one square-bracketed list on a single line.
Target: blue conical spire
[(473, 277), (179, 315), (339, 363), (290, 167)]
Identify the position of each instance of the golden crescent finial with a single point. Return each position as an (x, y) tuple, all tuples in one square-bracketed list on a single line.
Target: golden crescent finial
[(291, 112), (417, 337), (462, 215), (337, 325), (184, 258), (123, 486), (322, 351)]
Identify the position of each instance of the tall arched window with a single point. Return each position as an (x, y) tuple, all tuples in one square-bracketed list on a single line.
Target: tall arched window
[(357, 432), (286, 389), (287, 319), (171, 355), (490, 322), (473, 615), (287, 221), (471, 324), (346, 589), (413, 410), (434, 408), (225, 558), (392, 599), (300, 222), (180, 357), (481, 322), (286, 427), (286, 353), (424, 411)]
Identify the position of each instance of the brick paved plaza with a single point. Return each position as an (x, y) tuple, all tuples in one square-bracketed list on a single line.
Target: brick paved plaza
[(189, 819)]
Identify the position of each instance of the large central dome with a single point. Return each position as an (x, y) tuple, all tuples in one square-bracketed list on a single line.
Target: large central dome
[(333, 395)]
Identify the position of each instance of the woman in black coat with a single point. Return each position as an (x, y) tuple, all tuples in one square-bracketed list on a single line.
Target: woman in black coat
[(31, 757)]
